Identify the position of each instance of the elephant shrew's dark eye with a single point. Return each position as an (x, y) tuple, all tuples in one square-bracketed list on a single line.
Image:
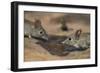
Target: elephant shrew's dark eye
[(41, 32), (69, 38)]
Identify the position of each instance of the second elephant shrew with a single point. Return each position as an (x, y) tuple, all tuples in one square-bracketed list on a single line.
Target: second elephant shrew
[(79, 40)]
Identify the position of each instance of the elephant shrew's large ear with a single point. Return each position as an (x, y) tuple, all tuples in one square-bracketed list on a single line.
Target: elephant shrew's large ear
[(37, 23), (78, 33)]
